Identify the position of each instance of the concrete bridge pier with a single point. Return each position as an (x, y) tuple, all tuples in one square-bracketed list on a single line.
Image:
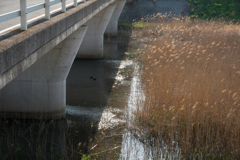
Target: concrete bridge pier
[(112, 27), (40, 91), (92, 45)]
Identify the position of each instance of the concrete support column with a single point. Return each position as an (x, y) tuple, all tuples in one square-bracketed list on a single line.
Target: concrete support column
[(40, 91), (112, 27), (92, 45)]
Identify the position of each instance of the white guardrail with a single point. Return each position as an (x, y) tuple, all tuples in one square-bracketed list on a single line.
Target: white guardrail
[(22, 13)]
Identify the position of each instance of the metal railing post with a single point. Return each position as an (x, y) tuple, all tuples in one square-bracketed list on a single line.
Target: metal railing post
[(63, 5), (23, 9), (22, 13), (75, 3), (47, 9)]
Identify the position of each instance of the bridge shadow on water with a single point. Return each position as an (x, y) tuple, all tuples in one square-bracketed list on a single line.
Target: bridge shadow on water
[(89, 85)]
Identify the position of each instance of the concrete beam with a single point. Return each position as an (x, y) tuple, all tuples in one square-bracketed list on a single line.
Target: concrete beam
[(40, 91), (112, 27), (92, 45)]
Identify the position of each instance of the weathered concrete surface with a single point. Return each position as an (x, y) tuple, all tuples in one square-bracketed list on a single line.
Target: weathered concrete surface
[(92, 45), (40, 91), (21, 51)]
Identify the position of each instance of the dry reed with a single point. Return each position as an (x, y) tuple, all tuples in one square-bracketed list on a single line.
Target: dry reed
[(191, 82)]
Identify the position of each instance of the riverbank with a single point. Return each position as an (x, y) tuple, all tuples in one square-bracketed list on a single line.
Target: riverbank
[(166, 89), (190, 81)]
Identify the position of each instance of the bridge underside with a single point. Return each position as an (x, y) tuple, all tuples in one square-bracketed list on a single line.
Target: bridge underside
[(40, 90)]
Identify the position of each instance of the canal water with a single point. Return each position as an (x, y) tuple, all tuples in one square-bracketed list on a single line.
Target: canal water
[(103, 99), (99, 97)]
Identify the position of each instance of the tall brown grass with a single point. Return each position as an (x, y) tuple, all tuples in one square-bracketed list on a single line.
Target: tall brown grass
[(191, 82)]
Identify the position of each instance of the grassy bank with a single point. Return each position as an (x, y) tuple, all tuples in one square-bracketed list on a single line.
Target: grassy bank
[(190, 78)]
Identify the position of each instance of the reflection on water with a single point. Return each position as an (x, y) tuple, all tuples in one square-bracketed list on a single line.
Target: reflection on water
[(100, 99), (32, 139), (92, 105), (94, 101), (132, 146), (135, 144)]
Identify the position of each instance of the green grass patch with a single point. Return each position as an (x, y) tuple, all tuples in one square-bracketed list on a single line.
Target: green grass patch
[(141, 24), (126, 24), (134, 24)]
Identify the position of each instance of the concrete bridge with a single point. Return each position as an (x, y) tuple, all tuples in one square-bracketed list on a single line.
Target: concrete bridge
[(34, 63)]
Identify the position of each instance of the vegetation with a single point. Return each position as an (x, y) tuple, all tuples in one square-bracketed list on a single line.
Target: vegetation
[(190, 75), (215, 9), (135, 25)]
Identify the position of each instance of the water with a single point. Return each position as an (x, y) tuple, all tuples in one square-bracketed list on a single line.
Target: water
[(97, 101), (101, 103), (101, 99), (101, 95)]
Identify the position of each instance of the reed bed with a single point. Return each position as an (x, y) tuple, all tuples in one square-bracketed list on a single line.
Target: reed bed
[(190, 78)]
